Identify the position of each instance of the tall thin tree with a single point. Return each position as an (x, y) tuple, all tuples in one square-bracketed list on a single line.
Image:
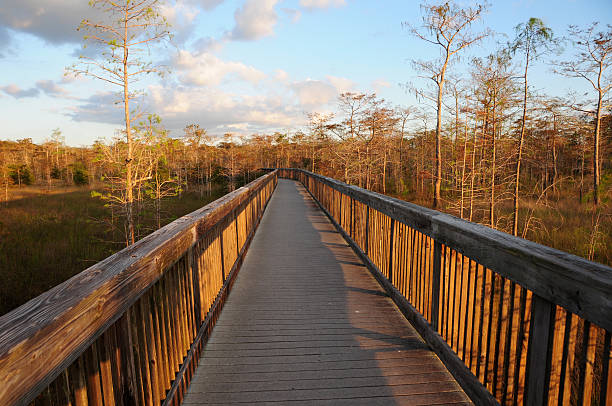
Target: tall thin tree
[(532, 38), (591, 62), (446, 26), (128, 28)]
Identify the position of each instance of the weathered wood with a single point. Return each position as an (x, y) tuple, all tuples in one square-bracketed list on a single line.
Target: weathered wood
[(49, 332), (470, 384), (540, 349), (106, 373), (435, 286), (312, 321), (491, 338), (184, 374), (574, 283)]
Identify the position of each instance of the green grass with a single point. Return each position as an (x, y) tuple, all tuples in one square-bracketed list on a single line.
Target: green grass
[(45, 238)]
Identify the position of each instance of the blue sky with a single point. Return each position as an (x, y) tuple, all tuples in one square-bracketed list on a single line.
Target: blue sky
[(242, 66)]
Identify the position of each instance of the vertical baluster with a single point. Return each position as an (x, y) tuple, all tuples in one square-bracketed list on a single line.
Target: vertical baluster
[(466, 307), (156, 316), (443, 292), (352, 220), (171, 325), (166, 358), (435, 285), (391, 238), (182, 308), (453, 297), (539, 351), (151, 354), (106, 373), (92, 366), (176, 320), (367, 231), (77, 382), (125, 345), (62, 389), (490, 331), (473, 267), (499, 340), (481, 319), (505, 381)]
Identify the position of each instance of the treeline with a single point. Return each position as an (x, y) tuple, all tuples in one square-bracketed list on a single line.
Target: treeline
[(372, 145)]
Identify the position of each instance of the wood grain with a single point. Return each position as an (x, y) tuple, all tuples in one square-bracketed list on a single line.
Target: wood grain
[(43, 337)]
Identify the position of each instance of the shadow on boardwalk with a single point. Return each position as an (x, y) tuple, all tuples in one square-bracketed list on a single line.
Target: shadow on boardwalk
[(306, 323)]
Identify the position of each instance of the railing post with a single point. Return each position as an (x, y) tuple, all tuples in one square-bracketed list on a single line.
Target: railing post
[(340, 210), (539, 351), (222, 256), (194, 266), (435, 284), (367, 230), (391, 251), (352, 218), (236, 228)]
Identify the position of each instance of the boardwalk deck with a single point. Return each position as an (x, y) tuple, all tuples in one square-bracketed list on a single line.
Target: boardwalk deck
[(306, 323)]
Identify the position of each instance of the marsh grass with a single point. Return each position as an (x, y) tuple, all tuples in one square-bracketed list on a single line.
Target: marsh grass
[(561, 222), (48, 236)]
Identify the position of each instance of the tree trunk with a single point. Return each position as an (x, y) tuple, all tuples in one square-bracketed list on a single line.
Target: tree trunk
[(438, 180), (596, 151), (554, 154), (472, 175), (517, 172), (128, 176), (463, 166), (492, 196)]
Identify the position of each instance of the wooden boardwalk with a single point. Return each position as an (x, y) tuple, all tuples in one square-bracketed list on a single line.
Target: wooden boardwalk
[(306, 323)]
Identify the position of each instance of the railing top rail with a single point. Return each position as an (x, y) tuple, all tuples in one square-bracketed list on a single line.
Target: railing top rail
[(45, 335), (583, 287)]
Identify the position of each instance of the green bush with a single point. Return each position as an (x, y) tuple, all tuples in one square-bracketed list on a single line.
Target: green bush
[(21, 175), (80, 176)]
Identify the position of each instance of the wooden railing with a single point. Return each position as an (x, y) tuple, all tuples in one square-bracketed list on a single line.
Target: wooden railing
[(514, 321), (129, 330)]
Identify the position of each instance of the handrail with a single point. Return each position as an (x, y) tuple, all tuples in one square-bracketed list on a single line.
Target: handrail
[(530, 323), (128, 330)]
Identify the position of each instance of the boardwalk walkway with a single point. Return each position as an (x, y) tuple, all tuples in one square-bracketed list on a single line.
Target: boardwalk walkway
[(306, 323)]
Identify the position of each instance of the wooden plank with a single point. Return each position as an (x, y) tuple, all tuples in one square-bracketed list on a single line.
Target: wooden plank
[(323, 394), (446, 398), (332, 382), (312, 319)]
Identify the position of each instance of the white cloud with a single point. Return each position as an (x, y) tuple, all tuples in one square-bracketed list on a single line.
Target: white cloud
[(55, 21), (380, 84), (19, 93), (312, 4), (293, 14), (313, 93), (341, 84), (254, 20), (102, 107), (219, 111), (206, 69), (208, 4), (209, 44), (51, 88), (281, 76)]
